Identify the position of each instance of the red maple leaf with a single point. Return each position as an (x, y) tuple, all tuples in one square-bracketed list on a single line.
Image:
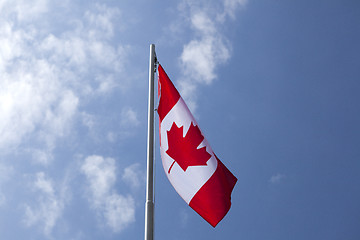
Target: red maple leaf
[(184, 150)]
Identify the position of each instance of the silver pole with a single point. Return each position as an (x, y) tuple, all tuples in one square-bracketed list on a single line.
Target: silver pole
[(149, 205)]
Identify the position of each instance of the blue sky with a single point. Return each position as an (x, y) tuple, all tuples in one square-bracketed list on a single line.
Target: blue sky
[(274, 86)]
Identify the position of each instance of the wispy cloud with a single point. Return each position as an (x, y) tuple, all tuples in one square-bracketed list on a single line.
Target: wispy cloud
[(54, 61), (184, 218), (129, 117), (230, 7), (45, 75), (24, 10), (5, 174), (208, 47), (133, 176), (117, 210), (277, 178), (201, 55), (50, 204)]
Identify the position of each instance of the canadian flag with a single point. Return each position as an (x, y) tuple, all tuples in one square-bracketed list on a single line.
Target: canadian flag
[(190, 164)]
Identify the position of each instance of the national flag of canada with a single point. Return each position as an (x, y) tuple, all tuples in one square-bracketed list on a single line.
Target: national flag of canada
[(190, 164)]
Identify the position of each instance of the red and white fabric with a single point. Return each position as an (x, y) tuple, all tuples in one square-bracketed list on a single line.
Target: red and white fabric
[(205, 185)]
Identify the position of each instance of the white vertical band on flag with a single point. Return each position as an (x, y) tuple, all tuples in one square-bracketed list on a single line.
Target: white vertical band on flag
[(187, 183)]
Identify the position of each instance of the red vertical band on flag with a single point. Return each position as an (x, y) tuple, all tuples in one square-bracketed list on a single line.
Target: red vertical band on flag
[(167, 89), (213, 200)]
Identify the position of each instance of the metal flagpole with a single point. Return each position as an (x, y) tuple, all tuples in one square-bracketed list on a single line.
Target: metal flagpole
[(149, 205)]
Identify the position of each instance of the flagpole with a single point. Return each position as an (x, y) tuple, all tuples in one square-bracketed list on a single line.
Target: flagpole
[(149, 205)]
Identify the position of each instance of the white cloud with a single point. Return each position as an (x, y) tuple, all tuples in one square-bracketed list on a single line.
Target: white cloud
[(102, 20), (201, 22), (134, 176), (57, 121), (277, 178), (88, 120), (183, 217), (100, 173), (106, 83), (208, 47), (49, 207), (129, 117), (53, 64), (5, 174), (111, 137), (43, 157), (45, 75), (32, 97), (43, 184), (230, 6), (201, 57), (117, 210), (24, 10), (124, 128)]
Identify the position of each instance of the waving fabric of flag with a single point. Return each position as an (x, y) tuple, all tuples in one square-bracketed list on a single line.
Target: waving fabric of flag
[(190, 164)]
